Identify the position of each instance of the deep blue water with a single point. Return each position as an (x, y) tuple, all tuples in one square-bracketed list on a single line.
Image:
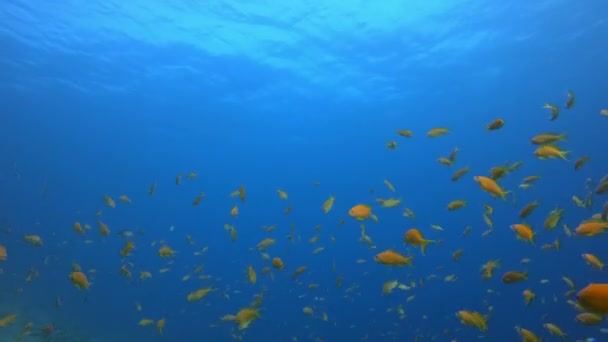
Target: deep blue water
[(108, 97)]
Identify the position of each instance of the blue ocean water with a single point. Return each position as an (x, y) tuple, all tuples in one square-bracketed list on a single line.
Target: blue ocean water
[(109, 97)]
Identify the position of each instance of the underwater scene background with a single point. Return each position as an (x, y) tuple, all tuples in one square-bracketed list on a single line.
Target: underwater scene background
[(303, 171)]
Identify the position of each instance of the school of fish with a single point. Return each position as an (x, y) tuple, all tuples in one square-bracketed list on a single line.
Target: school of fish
[(589, 301)]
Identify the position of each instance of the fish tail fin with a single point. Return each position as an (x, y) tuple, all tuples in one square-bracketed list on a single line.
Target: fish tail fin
[(424, 244), (504, 194), (564, 155)]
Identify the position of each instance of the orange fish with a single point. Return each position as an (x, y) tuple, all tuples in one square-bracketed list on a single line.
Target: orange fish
[(160, 325), (526, 335), (392, 258), (594, 298), (496, 124), (473, 319), (362, 212), (415, 238), (513, 277), (489, 185), (166, 252), (487, 269), (523, 232), (593, 261), (550, 152), (591, 228), (528, 296), (79, 280)]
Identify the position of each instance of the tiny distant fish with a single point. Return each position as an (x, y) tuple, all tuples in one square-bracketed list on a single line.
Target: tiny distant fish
[(571, 100), (125, 233)]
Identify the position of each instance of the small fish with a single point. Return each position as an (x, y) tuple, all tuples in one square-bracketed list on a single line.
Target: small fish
[(388, 203), (125, 199), (109, 201), (528, 209), (409, 213), (406, 133), (554, 330), (389, 185), (444, 161), (513, 277), (554, 111), (392, 258), (528, 296), (362, 212), (571, 100), (593, 261), (457, 254), (523, 232), (328, 204), (580, 162), (414, 237), (531, 179), (125, 234), (495, 125), (516, 165), (282, 194), (251, 275), (436, 132), (550, 152), (452, 157), (456, 204), (152, 189), (490, 186), (547, 138), (459, 173), (198, 199), (498, 172), (578, 202), (553, 218)]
